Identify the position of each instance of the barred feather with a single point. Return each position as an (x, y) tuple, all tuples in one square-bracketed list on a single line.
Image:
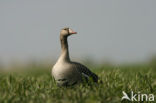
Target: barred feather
[(85, 71)]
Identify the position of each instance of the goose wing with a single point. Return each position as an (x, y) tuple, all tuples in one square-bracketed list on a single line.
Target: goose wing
[(85, 71)]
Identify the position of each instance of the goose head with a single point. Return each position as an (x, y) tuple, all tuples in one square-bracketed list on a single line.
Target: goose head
[(67, 32)]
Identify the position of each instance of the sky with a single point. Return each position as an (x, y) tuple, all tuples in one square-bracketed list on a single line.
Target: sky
[(117, 30)]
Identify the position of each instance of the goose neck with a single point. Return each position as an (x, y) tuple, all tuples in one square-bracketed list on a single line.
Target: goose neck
[(64, 48)]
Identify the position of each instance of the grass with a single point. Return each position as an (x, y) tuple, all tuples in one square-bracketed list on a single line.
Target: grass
[(39, 87)]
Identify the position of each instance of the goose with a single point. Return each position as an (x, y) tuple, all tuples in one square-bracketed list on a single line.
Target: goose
[(67, 72)]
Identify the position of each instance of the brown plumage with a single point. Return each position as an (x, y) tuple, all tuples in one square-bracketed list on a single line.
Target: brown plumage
[(66, 72)]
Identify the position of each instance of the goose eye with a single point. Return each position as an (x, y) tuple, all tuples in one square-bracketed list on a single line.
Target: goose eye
[(65, 28)]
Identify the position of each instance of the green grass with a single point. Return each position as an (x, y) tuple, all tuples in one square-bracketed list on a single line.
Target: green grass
[(39, 87)]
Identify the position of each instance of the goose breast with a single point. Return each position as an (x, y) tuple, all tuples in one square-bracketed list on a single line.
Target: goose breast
[(65, 73)]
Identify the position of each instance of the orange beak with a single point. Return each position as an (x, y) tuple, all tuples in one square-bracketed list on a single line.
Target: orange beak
[(72, 32)]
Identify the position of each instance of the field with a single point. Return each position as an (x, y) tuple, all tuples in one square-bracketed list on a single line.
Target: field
[(36, 85)]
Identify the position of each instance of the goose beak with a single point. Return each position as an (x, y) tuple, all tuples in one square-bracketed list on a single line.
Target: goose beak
[(72, 32)]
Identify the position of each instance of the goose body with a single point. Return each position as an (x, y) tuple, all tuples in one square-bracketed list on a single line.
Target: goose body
[(65, 71)]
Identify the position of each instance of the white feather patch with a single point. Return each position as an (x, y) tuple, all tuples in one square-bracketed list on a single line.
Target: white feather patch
[(70, 30), (85, 75)]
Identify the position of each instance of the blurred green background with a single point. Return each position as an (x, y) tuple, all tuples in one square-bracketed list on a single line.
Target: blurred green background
[(33, 83)]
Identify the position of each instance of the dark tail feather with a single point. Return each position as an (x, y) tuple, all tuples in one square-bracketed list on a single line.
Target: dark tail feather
[(95, 77)]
